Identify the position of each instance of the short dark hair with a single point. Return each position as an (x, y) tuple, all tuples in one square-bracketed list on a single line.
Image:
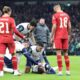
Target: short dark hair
[(33, 22), (56, 4), (40, 70), (40, 44), (6, 9)]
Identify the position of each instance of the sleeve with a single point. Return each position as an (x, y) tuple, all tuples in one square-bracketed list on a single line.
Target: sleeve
[(48, 35), (35, 32), (53, 19), (28, 55), (45, 58), (15, 30)]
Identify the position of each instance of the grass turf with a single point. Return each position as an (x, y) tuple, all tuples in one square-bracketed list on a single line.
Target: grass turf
[(75, 71)]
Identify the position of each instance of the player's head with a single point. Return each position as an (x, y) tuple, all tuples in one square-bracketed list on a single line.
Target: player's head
[(26, 44), (7, 10), (57, 7), (32, 24), (42, 21), (40, 69), (39, 46)]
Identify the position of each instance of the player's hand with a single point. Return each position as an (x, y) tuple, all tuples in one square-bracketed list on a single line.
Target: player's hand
[(25, 39), (51, 40)]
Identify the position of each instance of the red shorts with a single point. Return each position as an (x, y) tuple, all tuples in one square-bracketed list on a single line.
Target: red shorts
[(60, 44), (4, 46)]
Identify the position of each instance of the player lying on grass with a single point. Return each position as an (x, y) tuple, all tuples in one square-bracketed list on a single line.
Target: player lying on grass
[(34, 57)]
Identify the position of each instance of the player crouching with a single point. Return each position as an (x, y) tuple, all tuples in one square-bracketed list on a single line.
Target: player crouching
[(34, 59)]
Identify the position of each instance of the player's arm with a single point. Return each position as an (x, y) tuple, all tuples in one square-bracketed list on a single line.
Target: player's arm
[(27, 55), (53, 32), (48, 36), (15, 29), (18, 33), (69, 28), (32, 37), (53, 28), (45, 58)]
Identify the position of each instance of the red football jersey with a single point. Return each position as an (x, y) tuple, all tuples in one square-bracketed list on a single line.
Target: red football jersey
[(7, 28), (61, 19)]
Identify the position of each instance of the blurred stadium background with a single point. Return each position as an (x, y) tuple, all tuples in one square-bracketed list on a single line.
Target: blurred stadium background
[(25, 10)]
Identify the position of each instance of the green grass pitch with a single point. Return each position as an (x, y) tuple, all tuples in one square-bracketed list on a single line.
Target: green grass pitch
[(75, 71)]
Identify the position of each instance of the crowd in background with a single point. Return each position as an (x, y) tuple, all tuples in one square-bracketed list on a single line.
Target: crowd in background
[(24, 13)]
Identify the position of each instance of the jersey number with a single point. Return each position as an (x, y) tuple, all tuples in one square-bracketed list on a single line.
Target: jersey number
[(2, 24), (63, 22)]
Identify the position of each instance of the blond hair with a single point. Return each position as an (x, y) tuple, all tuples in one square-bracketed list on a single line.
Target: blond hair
[(6, 9)]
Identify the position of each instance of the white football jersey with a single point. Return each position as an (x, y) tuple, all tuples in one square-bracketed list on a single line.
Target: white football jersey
[(22, 27), (35, 54)]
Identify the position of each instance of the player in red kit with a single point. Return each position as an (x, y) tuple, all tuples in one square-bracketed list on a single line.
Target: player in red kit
[(7, 28), (60, 36)]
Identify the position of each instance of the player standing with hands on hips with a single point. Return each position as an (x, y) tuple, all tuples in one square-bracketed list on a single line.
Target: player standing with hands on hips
[(7, 28), (60, 37)]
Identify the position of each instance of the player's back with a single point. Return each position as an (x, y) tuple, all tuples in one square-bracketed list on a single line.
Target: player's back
[(6, 29), (22, 27), (62, 20)]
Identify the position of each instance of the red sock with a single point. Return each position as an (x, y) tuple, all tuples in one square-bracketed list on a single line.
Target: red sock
[(1, 63), (14, 62), (67, 62), (59, 61)]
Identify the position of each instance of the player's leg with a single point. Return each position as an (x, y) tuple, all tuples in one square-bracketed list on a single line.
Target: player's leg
[(66, 57), (67, 62), (8, 62), (18, 54), (58, 47), (18, 47), (59, 61), (8, 65), (11, 48), (28, 65), (7, 59), (2, 51), (29, 60), (49, 69)]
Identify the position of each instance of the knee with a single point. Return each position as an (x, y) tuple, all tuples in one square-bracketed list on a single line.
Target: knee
[(65, 52), (27, 70), (58, 52)]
